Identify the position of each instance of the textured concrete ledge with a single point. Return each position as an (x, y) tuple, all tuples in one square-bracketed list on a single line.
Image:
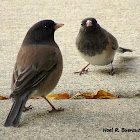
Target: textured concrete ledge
[(82, 119)]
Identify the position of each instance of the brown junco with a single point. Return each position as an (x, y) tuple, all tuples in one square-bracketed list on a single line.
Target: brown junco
[(96, 45), (37, 70)]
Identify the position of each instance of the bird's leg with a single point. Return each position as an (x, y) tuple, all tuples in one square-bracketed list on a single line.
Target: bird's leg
[(27, 108), (112, 72), (53, 108), (84, 70)]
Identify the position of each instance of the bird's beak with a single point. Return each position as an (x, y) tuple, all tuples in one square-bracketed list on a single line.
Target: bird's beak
[(58, 25), (89, 23)]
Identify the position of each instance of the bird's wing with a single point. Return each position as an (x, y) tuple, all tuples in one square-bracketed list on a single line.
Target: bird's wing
[(30, 70), (113, 41)]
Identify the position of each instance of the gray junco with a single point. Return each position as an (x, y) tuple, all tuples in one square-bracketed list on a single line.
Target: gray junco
[(96, 45), (37, 70)]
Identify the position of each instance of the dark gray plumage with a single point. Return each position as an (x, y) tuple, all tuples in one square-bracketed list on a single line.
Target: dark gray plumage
[(38, 68), (96, 45)]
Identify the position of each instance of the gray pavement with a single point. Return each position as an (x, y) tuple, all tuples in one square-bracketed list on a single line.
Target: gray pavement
[(81, 119)]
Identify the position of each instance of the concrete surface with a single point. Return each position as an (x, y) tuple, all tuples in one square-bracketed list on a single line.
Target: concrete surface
[(82, 119)]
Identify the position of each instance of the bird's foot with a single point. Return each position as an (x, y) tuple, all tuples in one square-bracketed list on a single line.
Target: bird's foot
[(28, 108), (112, 72), (56, 110), (83, 71), (53, 108)]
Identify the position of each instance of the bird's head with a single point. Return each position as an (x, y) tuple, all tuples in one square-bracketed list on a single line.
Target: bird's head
[(42, 31), (89, 24)]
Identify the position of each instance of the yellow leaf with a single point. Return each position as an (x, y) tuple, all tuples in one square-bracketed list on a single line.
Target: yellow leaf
[(87, 95), (101, 94), (58, 96), (3, 98)]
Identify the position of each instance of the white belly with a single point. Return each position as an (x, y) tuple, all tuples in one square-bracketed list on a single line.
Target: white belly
[(99, 59)]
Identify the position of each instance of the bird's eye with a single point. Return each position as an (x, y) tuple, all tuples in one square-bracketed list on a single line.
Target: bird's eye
[(46, 27), (95, 21), (81, 24)]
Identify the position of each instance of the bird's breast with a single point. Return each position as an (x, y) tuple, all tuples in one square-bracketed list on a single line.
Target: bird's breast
[(104, 58)]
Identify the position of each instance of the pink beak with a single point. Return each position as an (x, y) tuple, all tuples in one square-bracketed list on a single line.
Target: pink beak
[(58, 25), (89, 23)]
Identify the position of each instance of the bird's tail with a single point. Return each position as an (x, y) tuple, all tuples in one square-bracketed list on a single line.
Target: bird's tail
[(123, 50), (15, 112)]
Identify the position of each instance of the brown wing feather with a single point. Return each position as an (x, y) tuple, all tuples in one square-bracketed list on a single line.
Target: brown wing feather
[(113, 41), (31, 68)]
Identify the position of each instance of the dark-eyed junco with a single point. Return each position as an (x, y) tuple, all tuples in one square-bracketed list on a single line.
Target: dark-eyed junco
[(37, 70), (96, 45)]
